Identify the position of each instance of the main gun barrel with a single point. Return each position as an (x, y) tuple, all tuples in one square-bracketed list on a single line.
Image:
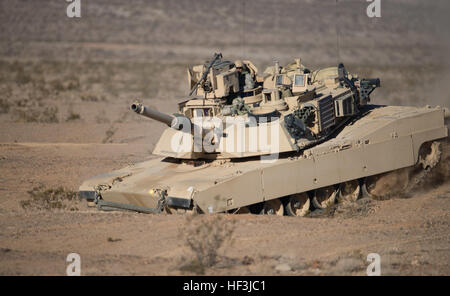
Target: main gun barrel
[(171, 121)]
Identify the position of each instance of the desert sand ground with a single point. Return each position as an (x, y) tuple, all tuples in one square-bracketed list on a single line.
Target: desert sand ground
[(65, 89)]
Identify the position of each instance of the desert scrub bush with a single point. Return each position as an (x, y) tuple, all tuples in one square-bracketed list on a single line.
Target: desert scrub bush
[(72, 83), (42, 198), (57, 85), (109, 134), (69, 83), (205, 236), (5, 105), (89, 97), (48, 114), (22, 77), (73, 116)]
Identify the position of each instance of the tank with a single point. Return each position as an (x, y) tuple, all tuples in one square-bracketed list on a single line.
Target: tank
[(281, 142)]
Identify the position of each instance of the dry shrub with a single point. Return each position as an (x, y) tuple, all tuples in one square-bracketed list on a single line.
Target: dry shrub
[(73, 116), (71, 83), (22, 77), (30, 110), (90, 97), (51, 198), (5, 105), (205, 235), (109, 134)]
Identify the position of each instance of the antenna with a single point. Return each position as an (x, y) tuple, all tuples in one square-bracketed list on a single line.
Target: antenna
[(338, 53), (243, 30)]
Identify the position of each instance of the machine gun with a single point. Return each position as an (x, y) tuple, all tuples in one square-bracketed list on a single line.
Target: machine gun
[(343, 77), (367, 85), (216, 57)]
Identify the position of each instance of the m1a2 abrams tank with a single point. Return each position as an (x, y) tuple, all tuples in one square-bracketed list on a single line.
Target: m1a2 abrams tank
[(294, 140)]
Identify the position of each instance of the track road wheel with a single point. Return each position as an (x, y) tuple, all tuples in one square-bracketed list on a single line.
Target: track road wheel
[(349, 191), (370, 184), (298, 204), (324, 197), (273, 207), (364, 188)]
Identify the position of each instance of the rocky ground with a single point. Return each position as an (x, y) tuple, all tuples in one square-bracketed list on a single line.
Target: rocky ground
[(65, 89)]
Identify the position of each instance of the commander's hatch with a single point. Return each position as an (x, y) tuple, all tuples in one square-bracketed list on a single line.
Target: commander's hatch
[(251, 67), (221, 80)]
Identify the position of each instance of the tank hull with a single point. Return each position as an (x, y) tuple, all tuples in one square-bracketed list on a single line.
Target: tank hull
[(384, 138)]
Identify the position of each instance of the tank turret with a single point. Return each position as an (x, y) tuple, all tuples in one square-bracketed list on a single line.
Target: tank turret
[(299, 108)]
